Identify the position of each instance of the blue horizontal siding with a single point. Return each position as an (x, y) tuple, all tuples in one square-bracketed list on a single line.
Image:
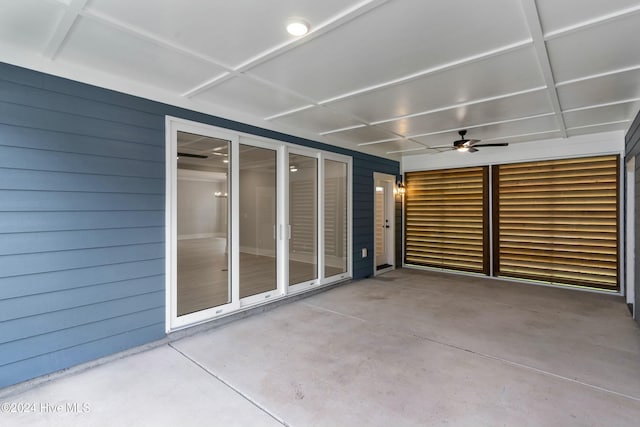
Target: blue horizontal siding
[(37, 118), (82, 182), (20, 316), (33, 367), (82, 201), (27, 243), (20, 179), (56, 161), (30, 201), (15, 265), (96, 325), (43, 99), (54, 281), (29, 222), (80, 144)]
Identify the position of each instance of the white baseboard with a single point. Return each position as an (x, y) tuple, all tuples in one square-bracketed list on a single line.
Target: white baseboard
[(197, 236)]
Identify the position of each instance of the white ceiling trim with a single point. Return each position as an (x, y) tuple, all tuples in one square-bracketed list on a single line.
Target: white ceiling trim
[(617, 122), (518, 119), (208, 84), (599, 75), (606, 104), (144, 35), (533, 20), (521, 135), (288, 112), (277, 87), (437, 69), (329, 132), (440, 68), (71, 13), (317, 31), (462, 104), (591, 22), (408, 150), (381, 141)]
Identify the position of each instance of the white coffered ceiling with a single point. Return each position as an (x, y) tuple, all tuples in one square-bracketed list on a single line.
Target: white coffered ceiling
[(387, 77)]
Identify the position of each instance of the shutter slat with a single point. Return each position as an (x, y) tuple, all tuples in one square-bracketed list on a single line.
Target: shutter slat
[(445, 216), (558, 221)]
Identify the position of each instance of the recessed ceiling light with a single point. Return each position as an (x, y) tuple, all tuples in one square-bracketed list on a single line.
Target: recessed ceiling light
[(297, 27)]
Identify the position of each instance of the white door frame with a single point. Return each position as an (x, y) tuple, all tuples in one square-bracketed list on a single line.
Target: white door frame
[(174, 322), (630, 237), (389, 184)]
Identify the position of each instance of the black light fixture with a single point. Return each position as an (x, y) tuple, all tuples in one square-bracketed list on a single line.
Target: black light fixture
[(401, 189)]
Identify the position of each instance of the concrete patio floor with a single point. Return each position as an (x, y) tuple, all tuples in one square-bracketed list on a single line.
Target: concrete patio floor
[(408, 348)]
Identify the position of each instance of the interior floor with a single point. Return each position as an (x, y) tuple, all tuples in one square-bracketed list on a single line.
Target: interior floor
[(407, 348), (203, 274)]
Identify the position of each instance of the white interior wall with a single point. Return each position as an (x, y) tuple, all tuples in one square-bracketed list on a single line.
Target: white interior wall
[(200, 213), (257, 212)]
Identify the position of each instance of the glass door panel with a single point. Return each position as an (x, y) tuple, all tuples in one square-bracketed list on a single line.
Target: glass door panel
[(257, 220), (303, 218), (202, 223), (335, 218)]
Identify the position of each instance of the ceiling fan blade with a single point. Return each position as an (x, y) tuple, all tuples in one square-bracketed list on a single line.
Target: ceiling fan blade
[(472, 150), (195, 156), (471, 142), (495, 144)]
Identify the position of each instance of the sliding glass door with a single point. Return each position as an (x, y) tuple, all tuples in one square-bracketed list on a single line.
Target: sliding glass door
[(202, 218), (249, 220), (257, 196), (336, 212), (303, 219)]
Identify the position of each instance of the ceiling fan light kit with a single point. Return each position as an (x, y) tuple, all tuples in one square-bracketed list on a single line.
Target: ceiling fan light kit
[(464, 145)]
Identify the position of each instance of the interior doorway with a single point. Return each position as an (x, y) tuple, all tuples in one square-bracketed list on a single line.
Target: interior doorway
[(384, 223)]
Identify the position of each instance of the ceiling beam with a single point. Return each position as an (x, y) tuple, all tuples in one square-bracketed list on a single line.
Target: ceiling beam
[(535, 28), (599, 75), (499, 122), (420, 74), (434, 70), (461, 105), (592, 22), (145, 35), (317, 31), (605, 104), (57, 40)]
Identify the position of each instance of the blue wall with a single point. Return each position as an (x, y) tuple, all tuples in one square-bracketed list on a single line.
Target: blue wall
[(82, 219)]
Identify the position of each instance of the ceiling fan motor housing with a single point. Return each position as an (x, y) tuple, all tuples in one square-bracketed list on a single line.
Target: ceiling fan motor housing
[(459, 143)]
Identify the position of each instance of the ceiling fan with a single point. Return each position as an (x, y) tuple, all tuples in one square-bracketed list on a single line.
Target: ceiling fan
[(470, 145)]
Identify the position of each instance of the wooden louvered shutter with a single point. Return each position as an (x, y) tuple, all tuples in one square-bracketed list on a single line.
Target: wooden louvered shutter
[(446, 215), (557, 221)]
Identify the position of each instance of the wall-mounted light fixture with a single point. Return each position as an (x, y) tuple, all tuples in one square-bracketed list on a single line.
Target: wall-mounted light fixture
[(220, 194), (401, 189)]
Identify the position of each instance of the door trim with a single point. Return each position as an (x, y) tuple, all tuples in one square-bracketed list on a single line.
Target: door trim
[(173, 322), (389, 182)]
